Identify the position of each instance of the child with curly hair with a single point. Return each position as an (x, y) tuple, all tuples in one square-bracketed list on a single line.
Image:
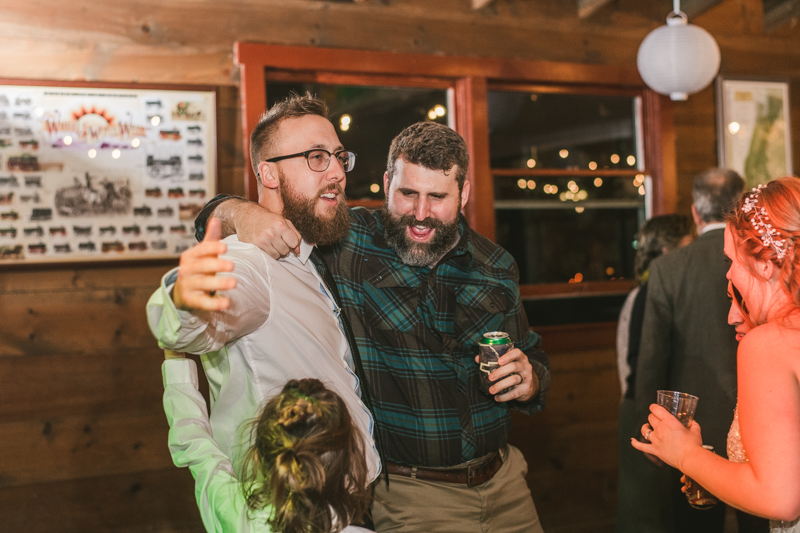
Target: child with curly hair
[(304, 471)]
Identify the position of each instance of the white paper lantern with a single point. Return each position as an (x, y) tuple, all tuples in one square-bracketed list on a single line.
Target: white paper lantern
[(678, 59)]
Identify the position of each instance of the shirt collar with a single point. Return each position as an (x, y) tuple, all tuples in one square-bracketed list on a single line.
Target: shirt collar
[(462, 252), (378, 238), (305, 251), (712, 226)]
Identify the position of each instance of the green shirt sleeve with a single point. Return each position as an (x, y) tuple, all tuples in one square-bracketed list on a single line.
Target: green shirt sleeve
[(191, 444)]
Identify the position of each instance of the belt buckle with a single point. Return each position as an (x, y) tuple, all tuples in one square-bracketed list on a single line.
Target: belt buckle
[(470, 470)]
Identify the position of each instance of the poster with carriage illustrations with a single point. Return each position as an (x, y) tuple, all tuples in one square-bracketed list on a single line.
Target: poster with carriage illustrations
[(97, 173)]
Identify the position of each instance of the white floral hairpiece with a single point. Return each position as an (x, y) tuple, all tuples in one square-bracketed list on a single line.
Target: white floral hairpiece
[(760, 222)]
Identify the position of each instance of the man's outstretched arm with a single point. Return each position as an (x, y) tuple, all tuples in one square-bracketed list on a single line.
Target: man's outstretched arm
[(200, 306), (252, 223)]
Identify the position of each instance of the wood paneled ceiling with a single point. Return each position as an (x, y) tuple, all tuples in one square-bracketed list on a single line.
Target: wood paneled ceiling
[(776, 13)]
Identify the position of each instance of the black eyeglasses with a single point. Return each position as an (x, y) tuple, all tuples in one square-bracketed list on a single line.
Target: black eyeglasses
[(319, 160)]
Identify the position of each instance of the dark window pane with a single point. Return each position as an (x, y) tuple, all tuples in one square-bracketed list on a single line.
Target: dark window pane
[(376, 116), (561, 227), (564, 131), (574, 310), (559, 245)]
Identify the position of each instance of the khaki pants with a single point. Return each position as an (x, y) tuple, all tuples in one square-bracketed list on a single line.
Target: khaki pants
[(501, 505)]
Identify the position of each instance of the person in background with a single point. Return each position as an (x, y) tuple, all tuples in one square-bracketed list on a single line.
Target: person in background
[(762, 243), (641, 484), (305, 470), (262, 322), (656, 237)]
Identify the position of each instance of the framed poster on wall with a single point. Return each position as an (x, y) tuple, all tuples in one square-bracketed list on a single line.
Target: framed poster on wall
[(92, 172), (753, 129)]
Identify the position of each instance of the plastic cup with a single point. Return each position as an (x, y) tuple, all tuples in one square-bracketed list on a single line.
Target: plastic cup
[(681, 405)]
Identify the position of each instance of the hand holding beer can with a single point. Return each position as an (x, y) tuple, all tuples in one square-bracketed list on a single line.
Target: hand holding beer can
[(494, 345)]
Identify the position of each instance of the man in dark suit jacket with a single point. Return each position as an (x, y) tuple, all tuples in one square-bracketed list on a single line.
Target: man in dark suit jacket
[(687, 344)]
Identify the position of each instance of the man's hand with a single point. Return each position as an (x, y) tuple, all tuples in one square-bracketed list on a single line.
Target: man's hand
[(197, 280), (275, 235), (515, 371)]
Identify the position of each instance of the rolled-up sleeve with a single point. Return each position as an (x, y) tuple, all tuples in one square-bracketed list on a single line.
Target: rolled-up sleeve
[(204, 331)]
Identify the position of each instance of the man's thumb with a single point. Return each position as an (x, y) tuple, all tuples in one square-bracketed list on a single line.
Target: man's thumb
[(213, 230)]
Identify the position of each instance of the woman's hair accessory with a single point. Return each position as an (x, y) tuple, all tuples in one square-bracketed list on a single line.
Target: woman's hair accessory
[(301, 411), (760, 222)]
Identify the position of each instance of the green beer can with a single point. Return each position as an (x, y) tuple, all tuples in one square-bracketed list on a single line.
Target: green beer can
[(493, 346)]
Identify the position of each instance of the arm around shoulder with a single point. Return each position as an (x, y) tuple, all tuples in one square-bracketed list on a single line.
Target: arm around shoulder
[(252, 223)]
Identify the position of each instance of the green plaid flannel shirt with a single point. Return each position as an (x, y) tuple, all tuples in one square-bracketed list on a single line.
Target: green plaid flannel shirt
[(417, 331)]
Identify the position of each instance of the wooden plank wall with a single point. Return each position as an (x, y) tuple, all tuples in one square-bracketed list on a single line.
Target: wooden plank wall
[(80, 416), (571, 446), (82, 429), (81, 426)]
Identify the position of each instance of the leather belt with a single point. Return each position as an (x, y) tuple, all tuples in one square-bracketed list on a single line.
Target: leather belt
[(471, 476)]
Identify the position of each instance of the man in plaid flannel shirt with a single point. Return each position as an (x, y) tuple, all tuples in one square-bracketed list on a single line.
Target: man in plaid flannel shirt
[(419, 288)]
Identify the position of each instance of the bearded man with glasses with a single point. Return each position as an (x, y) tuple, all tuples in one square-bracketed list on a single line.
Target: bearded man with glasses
[(271, 321)]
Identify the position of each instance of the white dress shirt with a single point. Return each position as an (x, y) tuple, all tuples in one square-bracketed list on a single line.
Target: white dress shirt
[(282, 324), (712, 226), (623, 337)]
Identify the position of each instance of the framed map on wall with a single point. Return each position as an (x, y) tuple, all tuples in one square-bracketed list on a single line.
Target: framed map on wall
[(753, 129), (92, 172)]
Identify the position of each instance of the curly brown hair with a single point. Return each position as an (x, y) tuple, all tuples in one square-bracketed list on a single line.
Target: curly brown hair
[(433, 146), (307, 461)]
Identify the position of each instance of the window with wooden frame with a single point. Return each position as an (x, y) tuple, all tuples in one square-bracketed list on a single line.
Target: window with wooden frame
[(367, 113), (566, 159)]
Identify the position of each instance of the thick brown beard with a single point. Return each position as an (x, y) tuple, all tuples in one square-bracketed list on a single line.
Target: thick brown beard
[(315, 229), (418, 254)]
